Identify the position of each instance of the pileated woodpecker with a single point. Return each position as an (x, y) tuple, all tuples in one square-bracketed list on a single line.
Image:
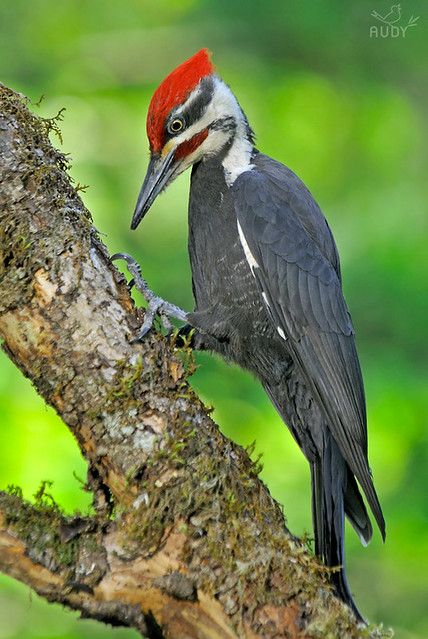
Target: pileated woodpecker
[(268, 293)]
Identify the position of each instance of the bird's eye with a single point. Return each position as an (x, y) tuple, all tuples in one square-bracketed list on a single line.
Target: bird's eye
[(175, 126)]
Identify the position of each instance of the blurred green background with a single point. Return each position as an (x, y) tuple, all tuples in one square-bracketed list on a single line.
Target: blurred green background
[(345, 111)]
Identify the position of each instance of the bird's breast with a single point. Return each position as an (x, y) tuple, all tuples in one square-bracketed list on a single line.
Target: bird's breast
[(220, 271)]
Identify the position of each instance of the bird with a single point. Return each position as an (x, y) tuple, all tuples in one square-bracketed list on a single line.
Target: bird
[(393, 16), (268, 293)]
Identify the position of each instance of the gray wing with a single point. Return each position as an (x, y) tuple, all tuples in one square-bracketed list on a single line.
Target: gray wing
[(298, 272)]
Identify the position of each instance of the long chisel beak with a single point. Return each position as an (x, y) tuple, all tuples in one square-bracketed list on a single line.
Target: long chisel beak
[(159, 172)]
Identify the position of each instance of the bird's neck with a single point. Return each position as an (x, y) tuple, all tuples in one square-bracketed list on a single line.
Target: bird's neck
[(237, 153), (238, 157)]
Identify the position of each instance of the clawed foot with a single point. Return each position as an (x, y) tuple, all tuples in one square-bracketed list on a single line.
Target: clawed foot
[(156, 305)]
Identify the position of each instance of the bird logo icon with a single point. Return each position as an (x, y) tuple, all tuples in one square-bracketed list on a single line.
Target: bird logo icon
[(391, 26), (393, 16)]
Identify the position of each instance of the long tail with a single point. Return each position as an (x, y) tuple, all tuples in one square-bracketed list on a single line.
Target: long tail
[(334, 493)]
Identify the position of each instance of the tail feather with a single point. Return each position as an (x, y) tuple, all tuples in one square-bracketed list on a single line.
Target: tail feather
[(356, 511), (335, 491), (366, 483), (330, 492)]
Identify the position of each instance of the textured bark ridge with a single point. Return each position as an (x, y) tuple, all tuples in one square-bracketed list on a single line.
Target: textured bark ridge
[(185, 540)]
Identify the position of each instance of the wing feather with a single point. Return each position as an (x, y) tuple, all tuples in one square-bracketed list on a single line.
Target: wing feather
[(299, 274)]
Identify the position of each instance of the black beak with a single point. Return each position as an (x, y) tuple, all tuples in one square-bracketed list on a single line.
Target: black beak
[(159, 172)]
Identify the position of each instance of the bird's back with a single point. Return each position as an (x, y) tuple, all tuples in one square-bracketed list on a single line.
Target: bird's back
[(296, 197)]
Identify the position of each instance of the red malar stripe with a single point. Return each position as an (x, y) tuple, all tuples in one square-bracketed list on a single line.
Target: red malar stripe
[(187, 147)]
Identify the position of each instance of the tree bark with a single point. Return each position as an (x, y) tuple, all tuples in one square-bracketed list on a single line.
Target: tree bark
[(185, 540)]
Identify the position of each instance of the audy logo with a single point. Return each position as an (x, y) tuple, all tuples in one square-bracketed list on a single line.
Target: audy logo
[(392, 24)]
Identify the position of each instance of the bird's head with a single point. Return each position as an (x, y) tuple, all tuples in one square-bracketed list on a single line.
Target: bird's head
[(192, 115)]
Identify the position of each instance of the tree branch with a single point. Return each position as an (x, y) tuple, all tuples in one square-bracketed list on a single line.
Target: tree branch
[(186, 540)]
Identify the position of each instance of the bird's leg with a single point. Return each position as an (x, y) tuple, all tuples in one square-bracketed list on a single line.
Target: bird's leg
[(156, 305)]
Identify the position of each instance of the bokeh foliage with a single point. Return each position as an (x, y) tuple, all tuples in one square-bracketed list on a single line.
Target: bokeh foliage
[(346, 112)]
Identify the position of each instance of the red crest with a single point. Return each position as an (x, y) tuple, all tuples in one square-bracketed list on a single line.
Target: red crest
[(174, 91)]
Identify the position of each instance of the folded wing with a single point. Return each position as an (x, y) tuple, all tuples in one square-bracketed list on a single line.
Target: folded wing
[(300, 282)]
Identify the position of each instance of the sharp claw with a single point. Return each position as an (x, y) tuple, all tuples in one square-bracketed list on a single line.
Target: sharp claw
[(121, 256), (139, 337), (156, 305), (145, 328)]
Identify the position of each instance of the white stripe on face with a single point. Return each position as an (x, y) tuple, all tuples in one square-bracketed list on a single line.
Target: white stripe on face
[(223, 105)]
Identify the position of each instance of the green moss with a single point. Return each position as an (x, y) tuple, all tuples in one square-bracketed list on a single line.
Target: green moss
[(34, 133), (184, 352), (51, 539), (42, 171), (14, 249), (38, 526), (125, 378), (44, 499)]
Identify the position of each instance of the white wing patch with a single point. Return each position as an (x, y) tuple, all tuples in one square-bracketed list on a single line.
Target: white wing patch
[(253, 265), (248, 255), (281, 332), (266, 301)]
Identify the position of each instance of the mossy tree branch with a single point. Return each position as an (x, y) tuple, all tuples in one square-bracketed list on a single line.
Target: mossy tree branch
[(186, 540)]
